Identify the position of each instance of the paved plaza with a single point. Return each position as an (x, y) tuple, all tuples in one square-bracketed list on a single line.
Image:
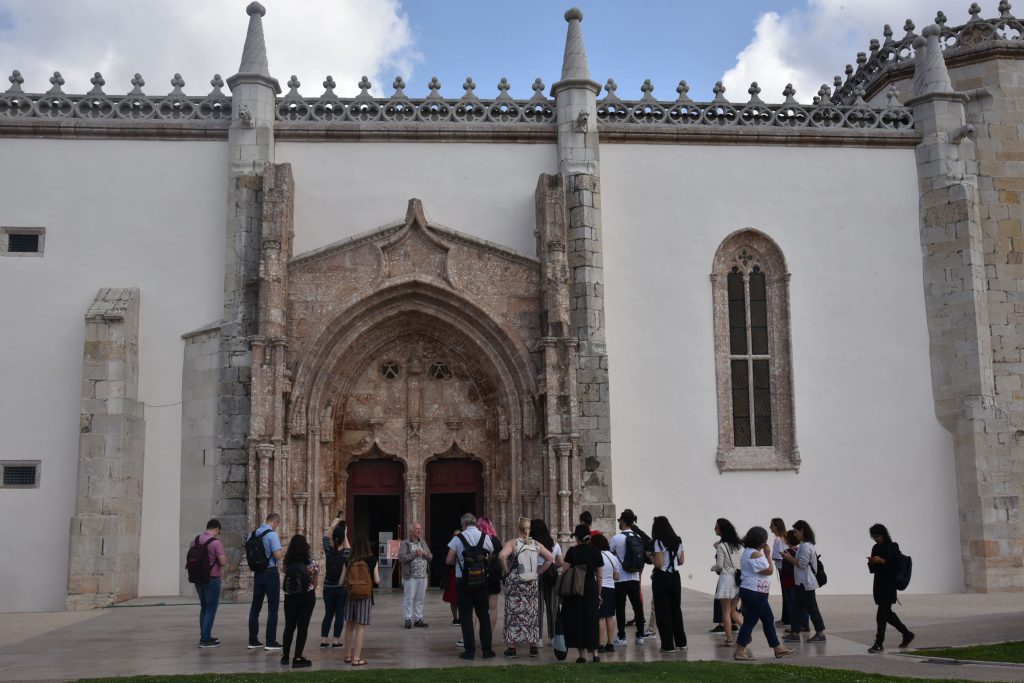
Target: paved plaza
[(154, 636)]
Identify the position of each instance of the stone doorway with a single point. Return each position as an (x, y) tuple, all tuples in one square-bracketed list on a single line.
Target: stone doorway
[(376, 497), (454, 487)]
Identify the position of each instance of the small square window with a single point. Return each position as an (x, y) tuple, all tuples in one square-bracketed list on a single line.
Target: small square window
[(22, 241), (20, 474)]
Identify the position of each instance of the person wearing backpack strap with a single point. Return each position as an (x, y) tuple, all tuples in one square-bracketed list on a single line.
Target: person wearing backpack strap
[(548, 572), (628, 546), (494, 569), (300, 579), (728, 549), (666, 587), (805, 565), (884, 563), (464, 553), (336, 554), (606, 628), (360, 571), (215, 558), (519, 560), (266, 583)]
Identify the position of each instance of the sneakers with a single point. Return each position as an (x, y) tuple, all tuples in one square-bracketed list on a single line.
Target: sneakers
[(533, 651), (511, 653), (466, 655), (908, 638), (421, 624), (255, 645), (817, 638), (272, 645), (791, 638), (639, 640), (649, 633), (301, 663), (325, 646), (608, 647), (285, 660), (489, 654), (459, 643), (210, 642), (875, 649), (408, 623), (456, 622), (717, 629), (620, 641)]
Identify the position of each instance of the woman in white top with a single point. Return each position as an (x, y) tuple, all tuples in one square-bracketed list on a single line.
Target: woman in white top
[(606, 627), (778, 529), (727, 552), (805, 566), (756, 569), (548, 572), (667, 557)]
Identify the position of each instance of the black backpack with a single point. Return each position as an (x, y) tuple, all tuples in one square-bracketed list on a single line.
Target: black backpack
[(255, 554), (197, 561), (296, 578), (819, 573), (904, 568), (475, 562), (635, 557), (335, 563)]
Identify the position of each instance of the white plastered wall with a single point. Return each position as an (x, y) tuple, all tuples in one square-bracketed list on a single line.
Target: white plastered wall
[(847, 222), (484, 189), (149, 214)]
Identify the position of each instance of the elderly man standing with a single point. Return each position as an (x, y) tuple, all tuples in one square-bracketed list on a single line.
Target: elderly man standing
[(415, 558)]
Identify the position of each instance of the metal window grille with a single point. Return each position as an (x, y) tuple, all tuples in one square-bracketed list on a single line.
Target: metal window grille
[(22, 243), (749, 358), (21, 476)]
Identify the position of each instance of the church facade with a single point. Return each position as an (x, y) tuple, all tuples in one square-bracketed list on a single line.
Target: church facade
[(401, 308)]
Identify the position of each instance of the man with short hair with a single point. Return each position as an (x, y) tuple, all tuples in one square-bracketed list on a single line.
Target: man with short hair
[(266, 584), (628, 585), (209, 593), (415, 557), (471, 598)]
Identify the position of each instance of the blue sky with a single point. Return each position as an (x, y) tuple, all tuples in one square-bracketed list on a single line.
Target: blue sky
[(804, 42)]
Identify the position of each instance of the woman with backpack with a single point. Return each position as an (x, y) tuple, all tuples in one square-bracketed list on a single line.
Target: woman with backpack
[(494, 570), (884, 563), (579, 612), (519, 560), (668, 556), (359, 576), (300, 575), (606, 627), (756, 571), (548, 570), (805, 568), (336, 552), (727, 553)]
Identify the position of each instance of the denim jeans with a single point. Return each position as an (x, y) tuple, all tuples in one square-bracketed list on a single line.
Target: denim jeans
[(756, 608), (209, 599), (265, 584), (334, 610)]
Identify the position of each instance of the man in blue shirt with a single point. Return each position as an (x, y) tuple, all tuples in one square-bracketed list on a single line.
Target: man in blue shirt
[(471, 599), (267, 584)]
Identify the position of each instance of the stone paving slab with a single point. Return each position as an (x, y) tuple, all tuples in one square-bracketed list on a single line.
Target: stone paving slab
[(161, 638)]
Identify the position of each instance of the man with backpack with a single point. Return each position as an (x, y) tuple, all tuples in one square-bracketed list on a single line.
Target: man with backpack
[(204, 561), (630, 548), (263, 552), (415, 556), (469, 552)]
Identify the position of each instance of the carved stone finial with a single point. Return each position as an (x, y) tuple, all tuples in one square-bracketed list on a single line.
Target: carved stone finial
[(719, 91), (611, 86), (503, 87), (329, 84), (56, 81), (849, 70), (647, 89), (788, 92), (217, 82), (137, 83), (538, 87), (862, 59), (574, 59), (16, 80), (940, 18), (893, 97), (909, 27), (837, 82), (256, 8), (873, 45), (434, 86), (294, 82), (177, 83), (974, 11), (887, 34), (364, 86), (253, 67), (414, 214), (1004, 10), (858, 93), (930, 74), (469, 86), (97, 84), (399, 85), (574, 14), (824, 95), (754, 91)]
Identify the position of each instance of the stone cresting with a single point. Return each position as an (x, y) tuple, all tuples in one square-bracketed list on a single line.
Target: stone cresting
[(103, 564), (876, 66)]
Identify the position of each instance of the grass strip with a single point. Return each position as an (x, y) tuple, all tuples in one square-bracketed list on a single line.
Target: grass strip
[(1009, 652)]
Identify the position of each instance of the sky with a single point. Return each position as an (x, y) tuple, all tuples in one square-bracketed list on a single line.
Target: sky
[(775, 42)]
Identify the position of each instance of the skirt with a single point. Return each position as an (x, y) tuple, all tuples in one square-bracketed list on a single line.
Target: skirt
[(607, 608), (727, 588), (450, 596), (358, 611), (521, 623)]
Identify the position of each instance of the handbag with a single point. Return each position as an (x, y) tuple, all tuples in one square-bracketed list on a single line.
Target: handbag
[(572, 582), (558, 641)]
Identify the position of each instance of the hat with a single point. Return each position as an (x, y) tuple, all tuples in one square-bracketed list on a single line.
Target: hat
[(627, 516)]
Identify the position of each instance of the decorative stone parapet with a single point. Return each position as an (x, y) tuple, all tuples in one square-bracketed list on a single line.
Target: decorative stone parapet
[(103, 565)]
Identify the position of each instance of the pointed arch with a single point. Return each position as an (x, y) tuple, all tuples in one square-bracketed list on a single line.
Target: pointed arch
[(753, 355)]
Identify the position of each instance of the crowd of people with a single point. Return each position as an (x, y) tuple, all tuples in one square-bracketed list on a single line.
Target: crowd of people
[(579, 594)]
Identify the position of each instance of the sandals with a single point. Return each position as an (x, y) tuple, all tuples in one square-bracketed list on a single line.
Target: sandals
[(744, 657), (779, 654), (358, 662), (348, 659)]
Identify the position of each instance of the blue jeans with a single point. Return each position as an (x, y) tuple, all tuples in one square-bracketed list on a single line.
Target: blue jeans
[(209, 599), (755, 609), (334, 609), (265, 584)]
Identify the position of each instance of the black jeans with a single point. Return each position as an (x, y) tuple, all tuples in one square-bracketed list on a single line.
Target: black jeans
[(334, 610), (474, 600), (668, 612), (807, 604), (297, 611), (884, 616), (546, 606), (631, 590), (264, 584)]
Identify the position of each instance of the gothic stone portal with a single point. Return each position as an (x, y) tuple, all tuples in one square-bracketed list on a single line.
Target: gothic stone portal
[(408, 346)]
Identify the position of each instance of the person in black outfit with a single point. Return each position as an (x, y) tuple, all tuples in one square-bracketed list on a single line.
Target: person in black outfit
[(298, 607), (883, 564), (665, 585), (579, 614), (336, 553)]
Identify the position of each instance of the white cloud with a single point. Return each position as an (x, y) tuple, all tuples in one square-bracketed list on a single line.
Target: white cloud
[(197, 38), (808, 46)]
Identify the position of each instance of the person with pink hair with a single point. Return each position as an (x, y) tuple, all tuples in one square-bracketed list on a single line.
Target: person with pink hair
[(495, 573)]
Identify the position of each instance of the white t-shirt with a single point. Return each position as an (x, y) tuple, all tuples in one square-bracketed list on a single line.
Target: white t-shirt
[(618, 545), (778, 546), (749, 568), (611, 565), (667, 566), (472, 535), (556, 551)]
